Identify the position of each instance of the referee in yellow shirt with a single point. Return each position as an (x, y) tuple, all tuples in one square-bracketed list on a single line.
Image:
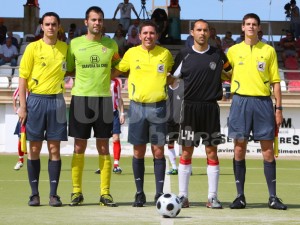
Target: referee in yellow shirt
[(254, 75), (42, 72), (149, 65)]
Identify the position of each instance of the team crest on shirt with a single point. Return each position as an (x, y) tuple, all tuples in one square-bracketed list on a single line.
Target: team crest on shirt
[(104, 49), (212, 65), (160, 68), (261, 66)]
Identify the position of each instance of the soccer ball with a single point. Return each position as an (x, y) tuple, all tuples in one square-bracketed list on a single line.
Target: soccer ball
[(168, 205)]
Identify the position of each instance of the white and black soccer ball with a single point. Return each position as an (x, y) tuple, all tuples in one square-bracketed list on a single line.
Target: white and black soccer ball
[(168, 205)]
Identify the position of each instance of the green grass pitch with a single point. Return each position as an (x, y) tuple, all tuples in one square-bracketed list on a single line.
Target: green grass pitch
[(14, 193)]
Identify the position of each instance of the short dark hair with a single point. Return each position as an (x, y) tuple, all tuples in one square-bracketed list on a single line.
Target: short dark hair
[(95, 9), (50, 14), (148, 23), (253, 16), (199, 20)]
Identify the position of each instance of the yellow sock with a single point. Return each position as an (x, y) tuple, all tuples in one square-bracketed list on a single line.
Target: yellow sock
[(105, 176), (77, 168)]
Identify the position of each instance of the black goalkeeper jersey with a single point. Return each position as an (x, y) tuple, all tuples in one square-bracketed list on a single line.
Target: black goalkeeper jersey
[(201, 73)]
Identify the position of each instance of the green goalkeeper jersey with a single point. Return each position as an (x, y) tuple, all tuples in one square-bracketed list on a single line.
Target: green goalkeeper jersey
[(93, 61)]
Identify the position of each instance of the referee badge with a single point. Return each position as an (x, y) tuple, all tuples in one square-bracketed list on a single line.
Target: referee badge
[(161, 68), (212, 65), (261, 66), (104, 49)]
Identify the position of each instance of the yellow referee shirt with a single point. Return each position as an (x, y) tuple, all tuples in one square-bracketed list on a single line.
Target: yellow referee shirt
[(147, 79), (255, 68), (44, 67)]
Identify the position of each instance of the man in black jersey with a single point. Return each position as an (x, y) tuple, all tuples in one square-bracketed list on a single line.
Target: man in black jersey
[(200, 68)]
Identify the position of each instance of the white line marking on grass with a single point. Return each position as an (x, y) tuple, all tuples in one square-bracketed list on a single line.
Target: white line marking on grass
[(167, 189), (167, 184)]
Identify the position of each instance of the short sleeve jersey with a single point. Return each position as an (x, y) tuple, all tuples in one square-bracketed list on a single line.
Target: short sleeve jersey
[(125, 10), (93, 61), (254, 69), (148, 73), (201, 73), (44, 67)]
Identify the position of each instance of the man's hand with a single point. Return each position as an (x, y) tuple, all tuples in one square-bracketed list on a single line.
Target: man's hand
[(22, 115)]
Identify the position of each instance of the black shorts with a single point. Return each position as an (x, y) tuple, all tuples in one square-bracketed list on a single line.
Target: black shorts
[(172, 132), (91, 112), (200, 121)]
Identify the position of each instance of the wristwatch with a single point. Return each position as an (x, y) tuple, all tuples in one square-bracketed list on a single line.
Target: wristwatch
[(278, 107)]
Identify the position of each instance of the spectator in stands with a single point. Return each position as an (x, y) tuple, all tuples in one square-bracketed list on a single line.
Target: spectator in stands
[(71, 35), (125, 13), (104, 32), (160, 18), (133, 38), (38, 37), (288, 45), (8, 53), (260, 35), (38, 29), (135, 25), (120, 27), (72, 27), (189, 41), (121, 41), (240, 38), (214, 40), (41, 34), (81, 31), (3, 31), (227, 41), (295, 19), (13, 39)]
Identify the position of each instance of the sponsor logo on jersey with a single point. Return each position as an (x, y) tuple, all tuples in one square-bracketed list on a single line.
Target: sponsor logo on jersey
[(94, 59)]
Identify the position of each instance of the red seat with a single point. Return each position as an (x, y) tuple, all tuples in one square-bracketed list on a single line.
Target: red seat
[(292, 76), (291, 63), (294, 86)]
